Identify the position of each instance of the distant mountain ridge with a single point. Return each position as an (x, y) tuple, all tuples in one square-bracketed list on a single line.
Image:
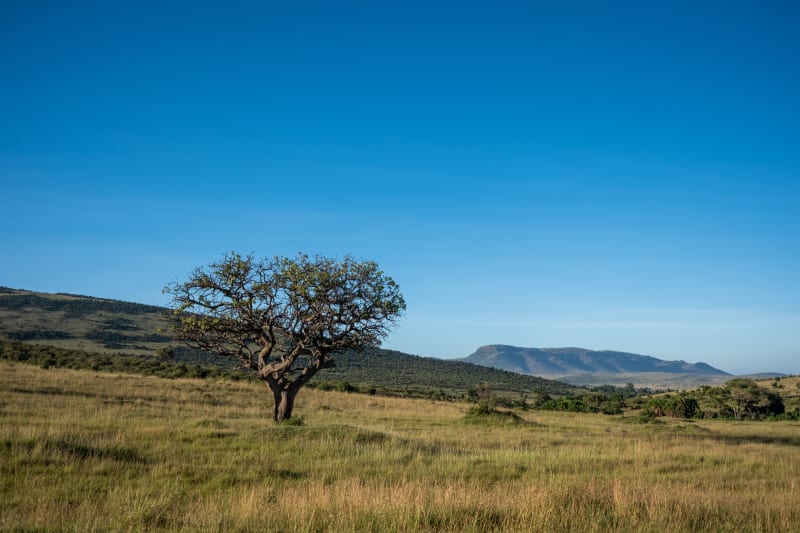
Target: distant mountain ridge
[(560, 362)]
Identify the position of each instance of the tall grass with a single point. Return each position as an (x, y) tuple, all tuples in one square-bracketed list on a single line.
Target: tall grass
[(82, 451)]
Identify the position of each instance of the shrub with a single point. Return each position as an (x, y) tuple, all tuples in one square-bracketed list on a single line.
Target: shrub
[(483, 414), (344, 386)]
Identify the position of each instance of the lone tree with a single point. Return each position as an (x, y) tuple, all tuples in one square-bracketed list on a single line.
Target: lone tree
[(285, 318)]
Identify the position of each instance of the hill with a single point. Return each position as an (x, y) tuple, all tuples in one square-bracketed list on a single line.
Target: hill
[(590, 367), (75, 323)]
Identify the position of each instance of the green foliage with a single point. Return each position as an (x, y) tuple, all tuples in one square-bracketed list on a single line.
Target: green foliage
[(486, 402), (39, 334), (75, 305), (741, 398), (346, 387), (485, 409), (566, 404), (481, 417), (116, 340), (285, 318), (52, 357), (482, 408), (165, 352), (395, 372), (680, 406), (288, 308), (295, 421), (485, 412)]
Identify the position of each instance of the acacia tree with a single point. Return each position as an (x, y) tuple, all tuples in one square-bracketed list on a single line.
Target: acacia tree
[(285, 318), (744, 397)]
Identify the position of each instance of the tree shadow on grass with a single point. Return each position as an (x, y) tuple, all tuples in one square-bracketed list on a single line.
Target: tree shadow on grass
[(81, 451)]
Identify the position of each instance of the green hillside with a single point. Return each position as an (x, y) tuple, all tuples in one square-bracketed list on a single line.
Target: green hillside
[(122, 335)]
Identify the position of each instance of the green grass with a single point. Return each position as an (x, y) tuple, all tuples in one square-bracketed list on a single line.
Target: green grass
[(85, 451)]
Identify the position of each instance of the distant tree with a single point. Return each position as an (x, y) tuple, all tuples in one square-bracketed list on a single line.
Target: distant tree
[(486, 402), (745, 398), (285, 318), (165, 352), (680, 406)]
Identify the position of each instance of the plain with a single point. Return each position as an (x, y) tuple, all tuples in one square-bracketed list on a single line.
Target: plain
[(90, 451)]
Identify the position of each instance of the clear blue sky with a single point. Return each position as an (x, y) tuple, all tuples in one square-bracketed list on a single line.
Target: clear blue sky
[(611, 175)]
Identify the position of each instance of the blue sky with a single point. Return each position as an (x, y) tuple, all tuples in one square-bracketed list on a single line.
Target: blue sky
[(611, 175)]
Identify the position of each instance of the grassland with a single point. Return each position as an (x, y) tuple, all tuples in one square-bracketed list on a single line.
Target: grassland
[(86, 451)]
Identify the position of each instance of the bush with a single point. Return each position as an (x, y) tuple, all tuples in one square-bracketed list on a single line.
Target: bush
[(482, 409), (566, 404), (294, 421), (344, 386), (676, 407), (478, 414)]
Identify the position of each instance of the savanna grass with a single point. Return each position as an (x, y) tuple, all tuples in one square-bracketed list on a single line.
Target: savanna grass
[(82, 451)]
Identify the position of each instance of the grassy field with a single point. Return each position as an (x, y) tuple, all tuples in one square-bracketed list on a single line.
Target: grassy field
[(84, 451)]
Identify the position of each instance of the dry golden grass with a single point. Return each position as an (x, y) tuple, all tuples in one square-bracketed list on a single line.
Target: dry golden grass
[(98, 452)]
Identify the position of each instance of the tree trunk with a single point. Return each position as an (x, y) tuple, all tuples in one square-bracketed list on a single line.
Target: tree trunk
[(284, 400), (284, 391)]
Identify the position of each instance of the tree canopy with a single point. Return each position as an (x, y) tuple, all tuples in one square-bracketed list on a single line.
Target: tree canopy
[(285, 318)]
